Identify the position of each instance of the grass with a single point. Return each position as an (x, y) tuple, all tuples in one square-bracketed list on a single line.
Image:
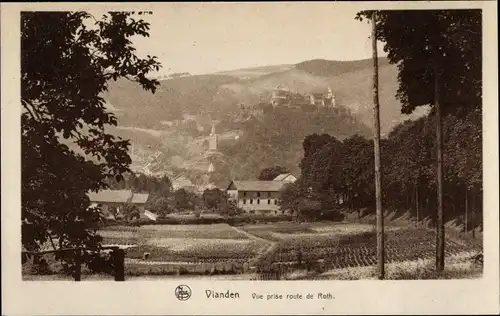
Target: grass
[(456, 267), (135, 235), (219, 268), (275, 231)]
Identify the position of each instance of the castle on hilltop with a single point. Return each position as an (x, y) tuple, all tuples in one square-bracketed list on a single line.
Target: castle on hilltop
[(282, 96)]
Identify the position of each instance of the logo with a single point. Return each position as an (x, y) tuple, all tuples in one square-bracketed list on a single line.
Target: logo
[(183, 292)]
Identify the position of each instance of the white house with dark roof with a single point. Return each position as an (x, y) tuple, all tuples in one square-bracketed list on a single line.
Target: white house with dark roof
[(257, 197)]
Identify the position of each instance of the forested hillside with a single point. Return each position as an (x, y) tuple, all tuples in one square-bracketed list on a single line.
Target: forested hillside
[(276, 139), (175, 121)]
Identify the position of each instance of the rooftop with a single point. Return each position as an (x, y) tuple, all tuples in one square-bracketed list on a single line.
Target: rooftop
[(270, 186), (140, 198), (118, 196), (282, 176), (111, 196)]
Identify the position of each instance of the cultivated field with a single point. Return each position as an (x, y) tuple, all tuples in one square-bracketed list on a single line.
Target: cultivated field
[(184, 248), (284, 251), (328, 251)]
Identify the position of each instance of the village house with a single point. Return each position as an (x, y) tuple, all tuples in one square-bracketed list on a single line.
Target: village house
[(286, 177), (181, 181), (257, 197), (113, 202)]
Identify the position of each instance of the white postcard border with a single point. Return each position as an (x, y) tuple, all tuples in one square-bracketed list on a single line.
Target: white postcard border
[(157, 297)]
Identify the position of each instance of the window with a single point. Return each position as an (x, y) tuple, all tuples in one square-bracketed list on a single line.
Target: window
[(244, 201), (252, 212), (251, 201), (258, 201), (245, 193), (275, 202), (258, 194), (268, 201)]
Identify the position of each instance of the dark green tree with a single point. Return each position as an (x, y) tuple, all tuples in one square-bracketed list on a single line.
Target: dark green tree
[(67, 60)]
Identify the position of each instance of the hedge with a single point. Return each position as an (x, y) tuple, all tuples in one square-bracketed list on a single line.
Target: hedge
[(234, 221)]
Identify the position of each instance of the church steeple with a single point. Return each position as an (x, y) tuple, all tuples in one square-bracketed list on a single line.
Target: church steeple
[(212, 142), (212, 132)]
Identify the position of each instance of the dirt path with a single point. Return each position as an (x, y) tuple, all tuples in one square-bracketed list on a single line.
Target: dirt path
[(272, 245)]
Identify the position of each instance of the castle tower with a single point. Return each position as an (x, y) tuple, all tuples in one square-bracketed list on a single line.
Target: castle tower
[(212, 142), (330, 93)]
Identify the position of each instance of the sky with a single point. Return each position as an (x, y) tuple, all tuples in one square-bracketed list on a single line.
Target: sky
[(209, 37)]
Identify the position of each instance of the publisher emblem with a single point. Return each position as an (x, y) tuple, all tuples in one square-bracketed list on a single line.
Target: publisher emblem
[(183, 292)]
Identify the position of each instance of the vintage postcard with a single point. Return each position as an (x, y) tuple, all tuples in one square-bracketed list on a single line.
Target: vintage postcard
[(250, 158)]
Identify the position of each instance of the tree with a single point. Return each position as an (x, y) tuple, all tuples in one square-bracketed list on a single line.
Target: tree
[(185, 200), (300, 200), (289, 197), (229, 208), (270, 173), (159, 205), (131, 212), (376, 142), (66, 64), (214, 198), (439, 63), (308, 207)]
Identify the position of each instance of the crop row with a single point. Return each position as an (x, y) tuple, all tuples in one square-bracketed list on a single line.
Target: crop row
[(214, 253), (217, 231), (360, 250)]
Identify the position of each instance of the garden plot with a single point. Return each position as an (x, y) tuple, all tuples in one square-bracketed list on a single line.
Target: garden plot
[(219, 231), (169, 245), (346, 245), (355, 250)]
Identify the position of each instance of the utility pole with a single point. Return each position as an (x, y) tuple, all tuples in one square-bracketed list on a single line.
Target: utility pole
[(376, 140), (439, 140)]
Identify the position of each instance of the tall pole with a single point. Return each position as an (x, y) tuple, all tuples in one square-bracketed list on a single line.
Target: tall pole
[(416, 198), (376, 140), (466, 210), (439, 141)]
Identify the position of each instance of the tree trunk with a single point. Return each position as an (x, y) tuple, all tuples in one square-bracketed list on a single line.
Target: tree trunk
[(78, 265), (466, 211), (119, 256), (474, 216), (416, 201), (376, 140), (439, 146)]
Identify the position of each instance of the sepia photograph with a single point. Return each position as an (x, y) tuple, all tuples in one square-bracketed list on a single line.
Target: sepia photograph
[(251, 142)]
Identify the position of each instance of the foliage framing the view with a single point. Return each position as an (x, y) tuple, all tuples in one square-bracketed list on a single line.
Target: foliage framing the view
[(67, 60), (419, 40)]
